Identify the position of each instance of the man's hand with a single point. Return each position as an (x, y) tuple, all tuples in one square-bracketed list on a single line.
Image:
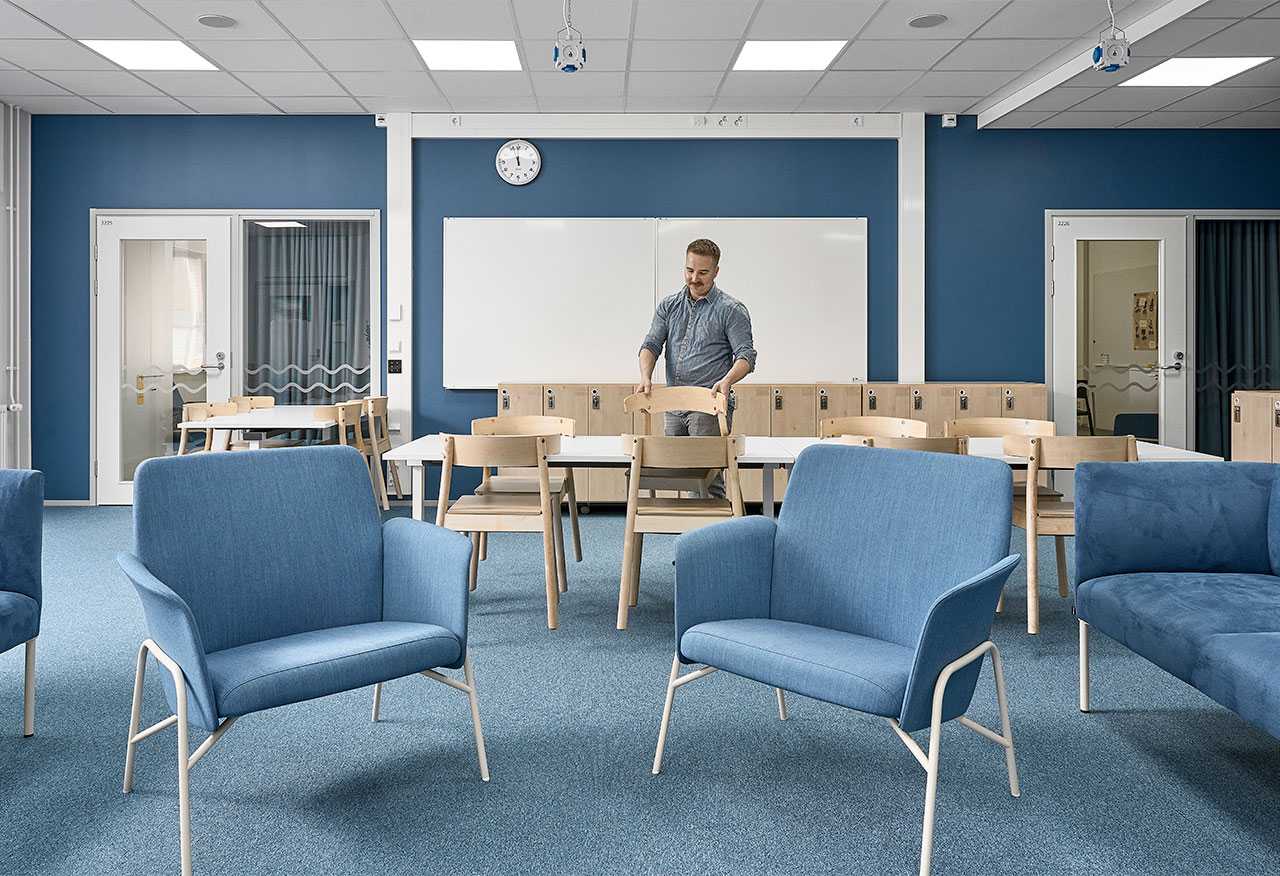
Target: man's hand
[(645, 385), (722, 387)]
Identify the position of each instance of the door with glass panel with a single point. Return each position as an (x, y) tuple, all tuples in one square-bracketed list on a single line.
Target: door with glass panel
[(163, 335)]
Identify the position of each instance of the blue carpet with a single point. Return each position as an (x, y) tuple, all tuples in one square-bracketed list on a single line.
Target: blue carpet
[(1159, 780)]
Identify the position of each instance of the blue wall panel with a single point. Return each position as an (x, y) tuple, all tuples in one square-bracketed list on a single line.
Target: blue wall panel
[(158, 162), (986, 193)]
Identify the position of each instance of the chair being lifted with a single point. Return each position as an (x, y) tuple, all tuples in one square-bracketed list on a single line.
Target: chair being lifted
[(662, 399)]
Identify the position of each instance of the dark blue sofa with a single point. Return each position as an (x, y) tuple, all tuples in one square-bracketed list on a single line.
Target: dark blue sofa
[(1180, 562)]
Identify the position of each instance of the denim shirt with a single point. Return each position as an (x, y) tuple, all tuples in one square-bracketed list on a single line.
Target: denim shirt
[(703, 338)]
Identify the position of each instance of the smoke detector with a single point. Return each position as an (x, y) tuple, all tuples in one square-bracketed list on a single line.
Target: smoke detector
[(217, 21)]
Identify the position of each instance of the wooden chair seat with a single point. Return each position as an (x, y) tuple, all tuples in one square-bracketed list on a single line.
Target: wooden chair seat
[(518, 484), (684, 507), (499, 503), (1044, 508)]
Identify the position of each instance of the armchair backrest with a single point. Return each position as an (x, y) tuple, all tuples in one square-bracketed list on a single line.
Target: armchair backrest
[(1177, 517), (263, 543), (868, 537), (21, 528)]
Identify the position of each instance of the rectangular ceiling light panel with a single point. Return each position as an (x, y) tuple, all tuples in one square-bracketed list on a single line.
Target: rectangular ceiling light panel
[(150, 54), (469, 54), (788, 54), (1193, 72)]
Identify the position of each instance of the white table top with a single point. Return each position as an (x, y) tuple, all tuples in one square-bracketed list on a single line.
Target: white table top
[(278, 418), (607, 451)]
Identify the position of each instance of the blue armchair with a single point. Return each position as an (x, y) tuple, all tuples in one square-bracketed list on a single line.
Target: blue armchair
[(21, 527), (268, 578), (875, 590)]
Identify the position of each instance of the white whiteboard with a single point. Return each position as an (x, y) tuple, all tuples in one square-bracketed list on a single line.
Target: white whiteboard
[(569, 300), (804, 281)]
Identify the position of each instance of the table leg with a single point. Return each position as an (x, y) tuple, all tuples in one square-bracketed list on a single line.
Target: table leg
[(766, 490), (419, 474)]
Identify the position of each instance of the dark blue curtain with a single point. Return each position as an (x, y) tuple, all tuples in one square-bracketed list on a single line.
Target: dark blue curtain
[(1237, 320)]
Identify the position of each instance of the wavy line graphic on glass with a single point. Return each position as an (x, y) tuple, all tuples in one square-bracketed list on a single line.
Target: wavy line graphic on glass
[(311, 387), (291, 367)]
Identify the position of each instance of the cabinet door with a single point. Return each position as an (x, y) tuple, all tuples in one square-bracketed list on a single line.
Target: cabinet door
[(605, 416), (566, 400), (935, 403), (1026, 401), (886, 400), (751, 416), (978, 400), (838, 400), (793, 411), (1253, 430), (519, 399)]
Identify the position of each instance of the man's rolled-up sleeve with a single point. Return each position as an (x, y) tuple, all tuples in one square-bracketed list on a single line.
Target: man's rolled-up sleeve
[(657, 336), (738, 330)]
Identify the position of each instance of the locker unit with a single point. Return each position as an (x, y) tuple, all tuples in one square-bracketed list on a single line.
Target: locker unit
[(1255, 426), (886, 400), (605, 417), (752, 415), (1027, 401), (838, 400), (568, 400), (793, 410), (935, 403), (519, 399), (978, 400)]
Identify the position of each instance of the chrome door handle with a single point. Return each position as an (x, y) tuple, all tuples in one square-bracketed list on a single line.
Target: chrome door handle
[(1177, 363), (220, 365)]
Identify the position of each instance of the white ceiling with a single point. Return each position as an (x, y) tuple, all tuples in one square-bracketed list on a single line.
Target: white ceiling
[(355, 56)]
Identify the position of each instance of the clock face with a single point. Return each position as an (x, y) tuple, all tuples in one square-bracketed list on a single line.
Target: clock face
[(518, 162)]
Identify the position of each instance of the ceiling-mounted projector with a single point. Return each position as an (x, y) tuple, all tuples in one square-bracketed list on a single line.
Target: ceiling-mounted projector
[(569, 54)]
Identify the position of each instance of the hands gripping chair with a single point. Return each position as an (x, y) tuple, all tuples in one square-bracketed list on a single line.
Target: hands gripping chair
[(21, 525), (875, 590), (299, 592), (662, 399)]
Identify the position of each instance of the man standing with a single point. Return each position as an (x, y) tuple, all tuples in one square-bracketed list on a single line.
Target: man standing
[(707, 335)]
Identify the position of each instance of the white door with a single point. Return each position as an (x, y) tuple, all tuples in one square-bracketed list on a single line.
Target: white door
[(1166, 368), (163, 335)]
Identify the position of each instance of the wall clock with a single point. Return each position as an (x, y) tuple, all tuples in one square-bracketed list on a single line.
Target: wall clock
[(518, 162)]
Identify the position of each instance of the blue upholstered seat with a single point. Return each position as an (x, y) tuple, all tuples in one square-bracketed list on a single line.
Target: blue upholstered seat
[(21, 533)]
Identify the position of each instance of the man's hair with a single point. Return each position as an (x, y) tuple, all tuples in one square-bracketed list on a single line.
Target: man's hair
[(704, 247)]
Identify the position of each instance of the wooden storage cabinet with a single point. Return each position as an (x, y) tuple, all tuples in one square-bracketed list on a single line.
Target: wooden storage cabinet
[(1026, 401), (751, 416), (1255, 426), (935, 403), (519, 399), (604, 417), (886, 400), (838, 400), (978, 400)]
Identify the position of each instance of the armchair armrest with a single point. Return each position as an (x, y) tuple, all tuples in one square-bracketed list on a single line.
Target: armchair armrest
[(424, 575), (724, 572), (171, 625), (958, 621)]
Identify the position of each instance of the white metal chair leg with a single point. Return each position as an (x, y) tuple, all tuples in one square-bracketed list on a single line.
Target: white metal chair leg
[(377, 701), (1006, 729), (29, 691), (135, 716), (782, 703), (1084, 666), (468, 687), (676, 680)]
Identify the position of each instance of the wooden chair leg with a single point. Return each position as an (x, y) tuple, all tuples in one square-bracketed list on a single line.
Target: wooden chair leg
[(474, 572), (549, 571), (636, 555), (573, 519), (1060, 547), (395, 478), (1033, 584), (484, 546), (378, 481), (557, 520), (624, 578)]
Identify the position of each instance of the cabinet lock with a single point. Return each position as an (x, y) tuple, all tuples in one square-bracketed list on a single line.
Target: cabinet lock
[(871, 399), (551, 399), (964, 400), (822, 399), (777, 399), (595, 399), (506, 400)]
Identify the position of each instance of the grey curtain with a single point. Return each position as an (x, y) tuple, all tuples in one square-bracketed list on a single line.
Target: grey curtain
[(1237, 320), (307, 311)]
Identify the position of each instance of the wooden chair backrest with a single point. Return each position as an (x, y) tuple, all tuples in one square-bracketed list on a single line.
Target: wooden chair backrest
[(484, 451), (525, 425), (884, 427), (930, 445), (661, 399), (998, 427), (1065, 452), (375, 406), (348, 415), (253, 402), (650, 452), (853, 440), (195, 411)]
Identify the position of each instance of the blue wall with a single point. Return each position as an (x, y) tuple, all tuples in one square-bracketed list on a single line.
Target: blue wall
[(646, 178), (158, 162), (985, 196)]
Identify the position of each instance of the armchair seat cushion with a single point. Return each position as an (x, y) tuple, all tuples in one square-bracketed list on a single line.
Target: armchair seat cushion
[(1238, 670), (1172, 618), (858, 672), (19, 619), (303, 666)]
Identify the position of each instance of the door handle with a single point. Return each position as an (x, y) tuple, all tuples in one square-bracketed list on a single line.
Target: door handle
[(220, 365), (1177, 363)]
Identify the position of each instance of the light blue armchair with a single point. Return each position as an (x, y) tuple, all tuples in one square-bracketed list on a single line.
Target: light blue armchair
[(268, 578), (875, 590), (21, 528)]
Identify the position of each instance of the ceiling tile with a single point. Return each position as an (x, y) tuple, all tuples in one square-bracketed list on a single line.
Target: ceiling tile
[(1001, 54), (1172, 119), (1270, 12), (5, 65), (143, 105), (351, 19), (846, 83), (200, 83), (1227, 99), (683, 104), (602, 19), (811, 19), (96, 19), (661, 55), (963, 17), (755, 104), (567, 104), (1020, 119), (459, 83), (752, 83), (279, 55), (585, 84), (406, 103), (893, 54), (1038, 18), (1229, 8), (1059, 98), (16, 23), (59, 54), (1178, 36), (602, 55), (491, 104), (318, 104), (708, 19), (927, 104), (90, 83), (849, 104), (456, 19), (1254, 37), (961, 82), (60, 104), (1266, 74), (672, 84), (1090, 119), (377, 55), (1250, 120), (230, 105), (292, 84), (252, 21), (1134, 98), (19, 82), (397, 84)]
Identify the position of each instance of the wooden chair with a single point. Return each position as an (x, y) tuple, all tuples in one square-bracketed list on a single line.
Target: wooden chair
[(929, 445), (375, 408), (203, 411), (1003, 427), (672, 515), (350, 416), (661, 399), (506, 512), (253, 402), (515, 480), (873, 427), (1041, 515)]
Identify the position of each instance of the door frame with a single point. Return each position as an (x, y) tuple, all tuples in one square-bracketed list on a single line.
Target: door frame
[(377, 356)]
